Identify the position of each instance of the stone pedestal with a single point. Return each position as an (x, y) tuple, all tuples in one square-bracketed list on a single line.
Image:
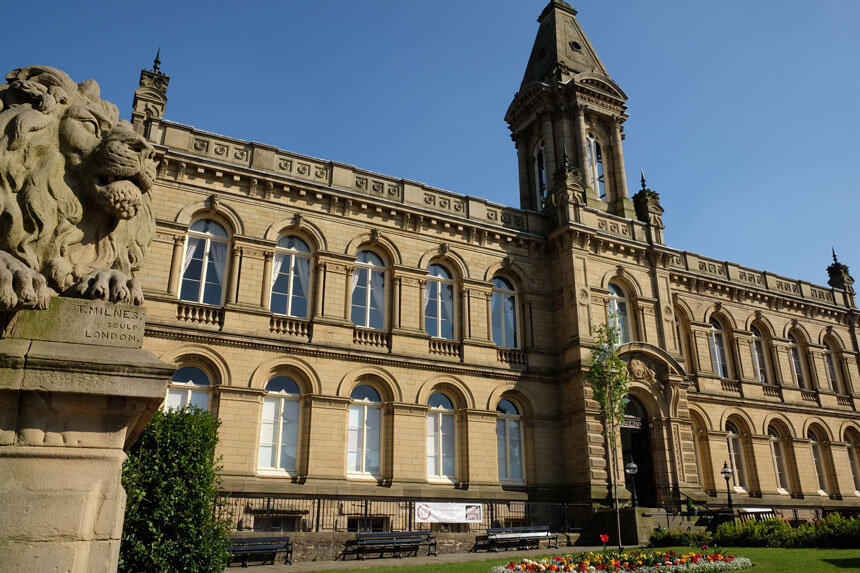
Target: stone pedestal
[(75, 391)]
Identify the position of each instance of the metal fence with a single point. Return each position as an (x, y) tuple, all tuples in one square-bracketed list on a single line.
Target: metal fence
[(283, 513)]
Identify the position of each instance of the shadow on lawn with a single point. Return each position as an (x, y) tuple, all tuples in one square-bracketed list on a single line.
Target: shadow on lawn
[(846, 563)]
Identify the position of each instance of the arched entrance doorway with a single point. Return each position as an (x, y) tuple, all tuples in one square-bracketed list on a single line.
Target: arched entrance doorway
[(636, 445)]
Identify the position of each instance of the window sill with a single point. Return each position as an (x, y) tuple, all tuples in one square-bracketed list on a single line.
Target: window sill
[(823, 493), (271, 472), (364, 477), (739, 489), (439, 480), (782, 491), (517, 483)]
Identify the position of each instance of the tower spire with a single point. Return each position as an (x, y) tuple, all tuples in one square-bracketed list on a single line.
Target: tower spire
[(156, 64)]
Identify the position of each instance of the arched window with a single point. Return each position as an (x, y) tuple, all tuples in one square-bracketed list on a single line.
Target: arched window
[(736, 456), (540, 173), (834, 372), (616, 309), (509, 442), (719, 359), (777, 452), (279, 425), (368, 291), (291, 277), (188, 387), (439, 303), (365, 425), (818, 461), (852, 437), (441, 439), (595, 165), (205, 264), (758, 355), (503, 308), (798, 370), (680, 335)]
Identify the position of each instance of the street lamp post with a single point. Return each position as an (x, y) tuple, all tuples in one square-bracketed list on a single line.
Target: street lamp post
[(630, 469), (726, 472)]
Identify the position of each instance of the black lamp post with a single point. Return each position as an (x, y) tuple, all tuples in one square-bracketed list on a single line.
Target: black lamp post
[(630, 469), (726, 472)]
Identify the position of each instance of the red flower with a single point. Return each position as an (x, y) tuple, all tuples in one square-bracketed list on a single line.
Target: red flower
[(604, 538)]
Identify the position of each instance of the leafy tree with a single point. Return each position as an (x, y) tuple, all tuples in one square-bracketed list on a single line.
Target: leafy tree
[(608, 378), (171, 480)]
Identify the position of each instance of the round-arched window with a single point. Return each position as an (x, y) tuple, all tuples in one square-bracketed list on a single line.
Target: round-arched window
[(364, 434), (205, 263), (509, 442), (279, 425), (291, 277), (736, 456), (503, 313), (189, 386), (719, 360), (439, 303), (441, 439), (368, 291), (616, 309), (758, 354), (818, 460)]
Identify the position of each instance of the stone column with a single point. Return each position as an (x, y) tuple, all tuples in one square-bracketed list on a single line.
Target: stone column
[(75, 391), (395, 299), (176, 265), (347, 295), (523, 162), (583, 147), (620, 171), (233, 285), (319, 286), (266, 291), (548, 152)]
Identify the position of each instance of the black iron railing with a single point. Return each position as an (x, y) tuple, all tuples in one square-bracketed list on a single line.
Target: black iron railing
[(290, 513)]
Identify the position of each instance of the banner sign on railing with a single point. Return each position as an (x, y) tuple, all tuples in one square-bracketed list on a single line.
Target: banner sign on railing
[(448, 512)]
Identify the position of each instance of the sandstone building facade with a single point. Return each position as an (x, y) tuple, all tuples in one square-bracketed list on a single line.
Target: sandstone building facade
[(365, 336)]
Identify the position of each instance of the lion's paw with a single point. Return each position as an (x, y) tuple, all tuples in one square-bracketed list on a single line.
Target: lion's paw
[(110, 286), (21, 286)]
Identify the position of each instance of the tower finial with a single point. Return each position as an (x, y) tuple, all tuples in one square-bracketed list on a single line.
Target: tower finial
[(642, 171), (835, 260), (156, 65)]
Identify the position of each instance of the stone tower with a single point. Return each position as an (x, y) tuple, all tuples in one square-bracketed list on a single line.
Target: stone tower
[(567, 121)]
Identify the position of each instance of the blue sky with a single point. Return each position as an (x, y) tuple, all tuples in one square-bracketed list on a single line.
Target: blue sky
[(741, 113)]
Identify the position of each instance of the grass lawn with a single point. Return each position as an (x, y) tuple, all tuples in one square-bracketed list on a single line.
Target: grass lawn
[(766, 560)]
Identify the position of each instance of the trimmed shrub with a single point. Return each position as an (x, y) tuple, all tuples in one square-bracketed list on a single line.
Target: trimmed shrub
[(661, 537), (171, 480), (831, 531)]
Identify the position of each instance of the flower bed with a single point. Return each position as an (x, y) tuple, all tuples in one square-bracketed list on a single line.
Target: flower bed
[(633, 560)]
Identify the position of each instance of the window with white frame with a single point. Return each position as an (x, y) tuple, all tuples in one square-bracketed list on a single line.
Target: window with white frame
[(736, 456), (616, 308), (503, 310), (797, 368), (205, 264), (716, 340), (441, 439), (852, 437), (291, 277), (777, 452), (818, 461), (188, 387), (595, 165), (758, 355), (540, 173), (439, 303), (509, 442), (365, 427), (368, 291), (833, 371), (279, 426)]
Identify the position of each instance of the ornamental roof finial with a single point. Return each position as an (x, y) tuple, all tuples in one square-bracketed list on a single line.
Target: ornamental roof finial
[(642, 171), (156, 65)]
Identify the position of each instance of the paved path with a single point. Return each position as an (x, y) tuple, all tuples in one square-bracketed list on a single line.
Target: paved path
[(354, 564)]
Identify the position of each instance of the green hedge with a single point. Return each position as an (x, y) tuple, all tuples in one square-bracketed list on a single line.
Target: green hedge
[(661, 537), (172, 485), (831, 531)]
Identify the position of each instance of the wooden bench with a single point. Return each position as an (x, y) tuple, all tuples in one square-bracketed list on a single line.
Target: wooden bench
[(260, 549), (746, 514), (521, 537), (395, 541)]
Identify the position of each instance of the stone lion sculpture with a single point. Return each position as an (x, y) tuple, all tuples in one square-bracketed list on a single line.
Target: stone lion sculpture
[(75, 204)]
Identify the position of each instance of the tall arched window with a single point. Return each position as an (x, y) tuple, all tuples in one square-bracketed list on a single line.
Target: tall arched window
[(368, 291), (509, 442), (279, 426), (852, 437), (681, 335), (540, 173), (188, 387), (439, 303), (205, 264), (758, 355), (777, 452), (719, 360), (834, 372), (595, 165), (736, 456), (616, 309), (503, 308), (441, 439), (291, 277), (798, 370), (818, 461), (365, 426)]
